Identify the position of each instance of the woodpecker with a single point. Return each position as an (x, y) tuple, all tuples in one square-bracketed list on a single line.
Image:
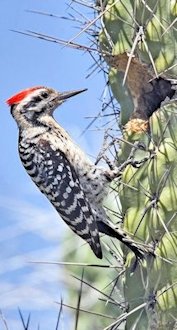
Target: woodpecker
[(61, 170)]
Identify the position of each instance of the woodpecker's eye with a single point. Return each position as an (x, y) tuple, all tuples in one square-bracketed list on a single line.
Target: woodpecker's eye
[(44, 95)]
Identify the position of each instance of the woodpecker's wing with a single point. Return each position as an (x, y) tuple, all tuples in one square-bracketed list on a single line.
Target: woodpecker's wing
[(60, 184)]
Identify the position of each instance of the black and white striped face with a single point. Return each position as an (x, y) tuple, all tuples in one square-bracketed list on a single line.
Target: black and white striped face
[(29, 105), (38, 102)]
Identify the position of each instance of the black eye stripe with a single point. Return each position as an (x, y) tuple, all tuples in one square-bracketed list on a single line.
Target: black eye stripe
[(33, 102), (37, 99)]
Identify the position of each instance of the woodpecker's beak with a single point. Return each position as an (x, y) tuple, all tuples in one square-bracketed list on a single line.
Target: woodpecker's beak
[(65, 95)]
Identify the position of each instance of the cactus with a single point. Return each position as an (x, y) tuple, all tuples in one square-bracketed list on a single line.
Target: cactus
[(143, 56), (148, 196), (138, 40)]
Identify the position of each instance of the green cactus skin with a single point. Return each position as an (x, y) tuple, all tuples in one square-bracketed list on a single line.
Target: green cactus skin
[(148, 193)]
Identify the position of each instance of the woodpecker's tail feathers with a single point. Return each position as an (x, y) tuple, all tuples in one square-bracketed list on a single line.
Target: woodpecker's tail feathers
[(137, 248), (96, 248)]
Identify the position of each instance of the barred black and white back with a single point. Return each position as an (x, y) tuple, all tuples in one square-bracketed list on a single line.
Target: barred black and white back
[(57, 179)]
